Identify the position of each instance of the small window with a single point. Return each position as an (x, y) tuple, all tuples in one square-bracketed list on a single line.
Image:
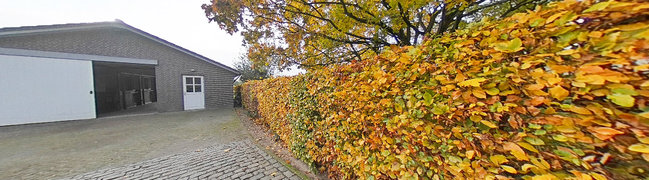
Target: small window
[(190, 88), (189, 80), (197, 80), (198, 88)]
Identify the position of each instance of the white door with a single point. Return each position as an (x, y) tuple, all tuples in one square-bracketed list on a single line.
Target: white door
[(37, 89), (193, 95)]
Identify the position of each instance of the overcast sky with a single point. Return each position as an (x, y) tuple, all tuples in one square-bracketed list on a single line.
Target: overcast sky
[(181, 22)]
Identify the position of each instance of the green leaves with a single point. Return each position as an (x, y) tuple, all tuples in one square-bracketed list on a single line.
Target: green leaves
[(513, 45), (623, 100), (471, 104), (428, 99), (534, 141), (598, 7)]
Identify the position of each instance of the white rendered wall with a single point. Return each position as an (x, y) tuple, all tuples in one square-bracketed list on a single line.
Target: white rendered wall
[(36, 89)]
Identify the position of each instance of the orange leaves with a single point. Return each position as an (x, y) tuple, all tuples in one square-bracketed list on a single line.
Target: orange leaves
[(532, 109), (604, 133), (580, 110), (559, 92), (534, 87)]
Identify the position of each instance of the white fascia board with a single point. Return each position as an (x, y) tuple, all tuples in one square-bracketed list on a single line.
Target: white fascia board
[(72, 56)]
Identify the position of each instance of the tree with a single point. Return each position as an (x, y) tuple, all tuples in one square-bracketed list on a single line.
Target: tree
[(250, 71), (321, 32)]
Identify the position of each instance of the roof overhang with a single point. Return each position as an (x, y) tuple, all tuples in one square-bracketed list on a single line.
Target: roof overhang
[(72, 56), (115, 24)]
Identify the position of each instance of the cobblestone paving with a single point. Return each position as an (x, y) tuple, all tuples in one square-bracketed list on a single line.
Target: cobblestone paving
[(236, 160)]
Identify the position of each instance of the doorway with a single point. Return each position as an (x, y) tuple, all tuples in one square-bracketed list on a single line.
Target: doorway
[(122, 86), (193, 94)]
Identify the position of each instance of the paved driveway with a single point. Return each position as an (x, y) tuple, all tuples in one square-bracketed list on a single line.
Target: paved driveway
[(65, 149)]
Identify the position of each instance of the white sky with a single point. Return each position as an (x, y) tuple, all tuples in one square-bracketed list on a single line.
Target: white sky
[(181, 22)]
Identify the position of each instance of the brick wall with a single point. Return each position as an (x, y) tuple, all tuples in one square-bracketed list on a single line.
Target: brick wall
[(172, 64)]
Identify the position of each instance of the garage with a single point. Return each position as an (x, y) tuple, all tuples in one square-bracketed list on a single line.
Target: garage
[(122, 86), (80, 71), (49, 86), (44, 83)]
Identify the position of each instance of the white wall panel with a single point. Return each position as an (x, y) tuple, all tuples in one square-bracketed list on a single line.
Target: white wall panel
[(37, 89)]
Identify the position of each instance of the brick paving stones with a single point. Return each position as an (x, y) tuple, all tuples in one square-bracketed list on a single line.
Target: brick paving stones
[(64, 149), (236, 160)]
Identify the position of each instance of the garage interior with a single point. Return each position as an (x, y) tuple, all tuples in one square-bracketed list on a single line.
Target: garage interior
[(123, 88)]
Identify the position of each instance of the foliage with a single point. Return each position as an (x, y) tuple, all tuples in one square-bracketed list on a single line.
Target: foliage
[(249, 96), (237, 96), (310, 33), (250, 71), (303, 119), (269, 100), (558, 92)]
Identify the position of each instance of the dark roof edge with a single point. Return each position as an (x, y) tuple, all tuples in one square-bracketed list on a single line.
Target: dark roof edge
[(118, 24)]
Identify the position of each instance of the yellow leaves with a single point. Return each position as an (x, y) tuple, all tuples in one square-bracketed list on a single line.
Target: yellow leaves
[(477, 92), (498, 159), (553, 80), (493, 91), (597, 7), (404, 59), (516, 151), (469, 154), (597, 176), (591, 79), (644, 140), (460, 103), (544, 177), (534, 87), (560, 138), (580, 110), (595, 34), (527, 146), (559, 92), (527, 167), (475, 118), (644, 115), (509, 169), (554, 17), (641, 148), (643, 6), (472, 82), (566, 52), (488, 124)]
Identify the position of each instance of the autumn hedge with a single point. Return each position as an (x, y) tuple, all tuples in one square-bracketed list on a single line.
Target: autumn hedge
[(558, 92)]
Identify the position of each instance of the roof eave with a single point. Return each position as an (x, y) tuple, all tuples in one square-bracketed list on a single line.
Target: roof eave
[(116, 24)]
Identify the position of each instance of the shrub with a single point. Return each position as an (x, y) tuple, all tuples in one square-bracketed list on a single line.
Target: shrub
[(268, 99), (303, 120), (237, 96), (558, 92)]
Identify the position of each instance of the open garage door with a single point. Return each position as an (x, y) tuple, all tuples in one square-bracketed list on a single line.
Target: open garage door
[(37, 89)]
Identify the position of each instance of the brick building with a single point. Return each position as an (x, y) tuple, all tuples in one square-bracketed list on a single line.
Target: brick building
[(81, 71)]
